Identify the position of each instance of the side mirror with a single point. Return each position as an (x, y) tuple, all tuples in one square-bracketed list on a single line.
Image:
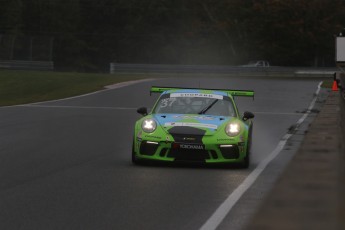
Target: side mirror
[(142, 111), (248, 115)]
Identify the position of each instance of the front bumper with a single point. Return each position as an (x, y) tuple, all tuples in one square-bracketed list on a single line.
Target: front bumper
[(226, 152)]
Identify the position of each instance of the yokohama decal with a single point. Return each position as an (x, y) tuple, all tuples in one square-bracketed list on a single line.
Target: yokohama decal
[(185, 146)]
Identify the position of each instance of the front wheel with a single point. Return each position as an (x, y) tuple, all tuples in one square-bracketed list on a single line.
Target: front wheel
[(246, 160), (134, 159)]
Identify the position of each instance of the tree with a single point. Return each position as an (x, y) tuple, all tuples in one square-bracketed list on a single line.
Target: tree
[(88, 34), (295, 32), (10, 26)]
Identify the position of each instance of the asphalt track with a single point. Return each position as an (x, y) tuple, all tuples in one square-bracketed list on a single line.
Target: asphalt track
[(66, 164)]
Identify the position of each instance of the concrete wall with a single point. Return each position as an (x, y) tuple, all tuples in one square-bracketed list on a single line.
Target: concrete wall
[(342, 134)]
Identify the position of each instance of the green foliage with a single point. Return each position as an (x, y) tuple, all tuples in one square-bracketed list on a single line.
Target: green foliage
[(89, 34), (11, 15)]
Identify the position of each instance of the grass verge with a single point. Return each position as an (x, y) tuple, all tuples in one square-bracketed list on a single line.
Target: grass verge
[(327, 84), (21, 87)]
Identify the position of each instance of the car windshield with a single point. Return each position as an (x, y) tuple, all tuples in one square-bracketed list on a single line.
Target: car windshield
[(217, 106)]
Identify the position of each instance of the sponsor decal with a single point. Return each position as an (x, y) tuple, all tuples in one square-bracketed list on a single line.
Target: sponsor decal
[(154, 137), (189, 139), (206, 118), (223, 139), (198, 125), (204, 95), (186, 146)]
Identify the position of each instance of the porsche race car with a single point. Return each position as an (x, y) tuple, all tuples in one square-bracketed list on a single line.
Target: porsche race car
[(194, 125)]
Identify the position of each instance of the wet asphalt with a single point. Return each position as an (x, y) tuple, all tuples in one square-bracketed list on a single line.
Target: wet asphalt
[(67, 164)]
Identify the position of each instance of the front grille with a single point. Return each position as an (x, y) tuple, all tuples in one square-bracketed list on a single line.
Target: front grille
[(214, 154), (163, 152), (230, 152), (186, 134), (148, 149), (191, 155)]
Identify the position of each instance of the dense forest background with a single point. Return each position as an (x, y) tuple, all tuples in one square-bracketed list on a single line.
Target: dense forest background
[(86, 35)]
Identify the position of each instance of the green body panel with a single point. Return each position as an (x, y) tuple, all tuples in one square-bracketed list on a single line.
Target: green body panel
[(162, 141), (212, 140)]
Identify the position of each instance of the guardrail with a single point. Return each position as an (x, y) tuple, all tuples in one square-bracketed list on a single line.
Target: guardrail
[(27, 65), (235, 70), (342, 143), (342, 108)]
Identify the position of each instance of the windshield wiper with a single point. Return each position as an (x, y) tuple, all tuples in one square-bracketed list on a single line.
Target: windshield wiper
[(204, 110)]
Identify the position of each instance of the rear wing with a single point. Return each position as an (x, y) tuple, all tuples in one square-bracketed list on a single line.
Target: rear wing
[(234, 93)]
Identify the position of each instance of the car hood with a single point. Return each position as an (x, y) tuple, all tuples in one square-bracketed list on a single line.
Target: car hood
[(191, 124)]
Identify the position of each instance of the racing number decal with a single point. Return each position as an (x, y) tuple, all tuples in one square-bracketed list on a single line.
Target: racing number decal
[(167, 102)]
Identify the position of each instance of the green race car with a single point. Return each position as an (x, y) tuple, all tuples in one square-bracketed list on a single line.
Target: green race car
[(194, 125)]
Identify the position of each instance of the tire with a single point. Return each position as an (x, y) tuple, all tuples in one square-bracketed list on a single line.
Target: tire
[(246, 161), (134, 159)]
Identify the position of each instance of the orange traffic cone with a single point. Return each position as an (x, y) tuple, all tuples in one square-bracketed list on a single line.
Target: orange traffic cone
[(335, 86), (335, 83)]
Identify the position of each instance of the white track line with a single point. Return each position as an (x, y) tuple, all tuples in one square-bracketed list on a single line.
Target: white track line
[(274, 113), (107, 88), (38, 105), (217, 217), (75, 107)]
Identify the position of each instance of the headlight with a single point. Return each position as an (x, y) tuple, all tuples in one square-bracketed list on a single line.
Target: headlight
[(233, 129), (149, 125)]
